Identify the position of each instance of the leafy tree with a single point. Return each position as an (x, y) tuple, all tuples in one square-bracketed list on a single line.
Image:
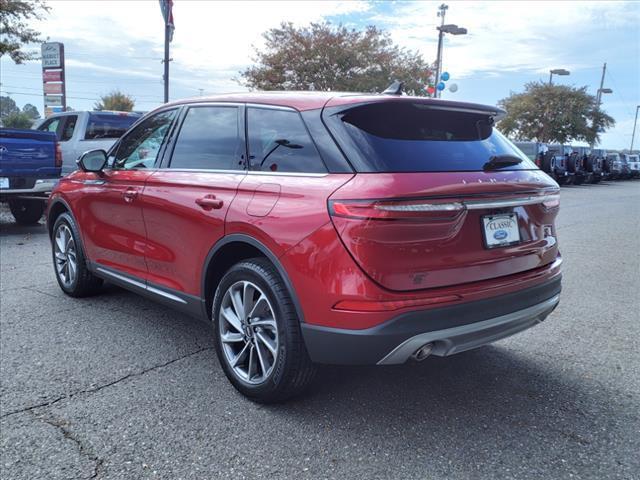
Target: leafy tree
[(31, 110), (115, 100), (554, 113), (17, 120), (322, 56), (7, 106), (14, 16)]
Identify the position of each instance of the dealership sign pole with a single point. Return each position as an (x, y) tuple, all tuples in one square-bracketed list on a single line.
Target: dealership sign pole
[(53, 80)]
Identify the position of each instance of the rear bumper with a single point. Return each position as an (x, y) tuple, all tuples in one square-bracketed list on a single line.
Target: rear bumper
[(452, 329), (40, 187)]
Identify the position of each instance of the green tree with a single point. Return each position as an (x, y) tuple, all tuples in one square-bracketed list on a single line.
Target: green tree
[(115, 100), (17, 120), (553, 113), (31, 110), (14, 17), (322, 56), (7, 107)]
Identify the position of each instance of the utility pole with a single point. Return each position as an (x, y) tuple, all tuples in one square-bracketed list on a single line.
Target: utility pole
[(633, 135), (165, 77), (441, 13)]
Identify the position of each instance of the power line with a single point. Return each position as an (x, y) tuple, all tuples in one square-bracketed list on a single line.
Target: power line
[(156, 97), (6, 92)]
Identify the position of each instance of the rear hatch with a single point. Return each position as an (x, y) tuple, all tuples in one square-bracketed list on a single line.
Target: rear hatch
[(441, 197)]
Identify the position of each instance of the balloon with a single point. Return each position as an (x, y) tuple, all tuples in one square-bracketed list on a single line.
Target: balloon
[(430, 89), (453, 87), (444, 76), (441, 86)]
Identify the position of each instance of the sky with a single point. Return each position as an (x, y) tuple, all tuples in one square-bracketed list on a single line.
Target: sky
[(119, 45)]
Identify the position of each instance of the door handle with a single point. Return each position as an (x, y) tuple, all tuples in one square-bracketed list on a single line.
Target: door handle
[(130, 194), (209, 202)]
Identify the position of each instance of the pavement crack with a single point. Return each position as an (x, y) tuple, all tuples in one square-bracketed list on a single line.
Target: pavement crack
[(63, 426), (95, 389)]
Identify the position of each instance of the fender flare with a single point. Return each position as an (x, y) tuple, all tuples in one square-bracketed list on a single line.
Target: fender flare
[(243, 238), (58, 199)]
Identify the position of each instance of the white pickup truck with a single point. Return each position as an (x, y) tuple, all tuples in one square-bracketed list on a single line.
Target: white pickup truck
[(78, 132)]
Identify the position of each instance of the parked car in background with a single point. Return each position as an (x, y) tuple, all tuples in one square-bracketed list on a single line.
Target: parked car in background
[(297, 223), (600, 156), (589, 163), (615, 165), (30, 164), (78, 132), (558, 156), (633, 162)]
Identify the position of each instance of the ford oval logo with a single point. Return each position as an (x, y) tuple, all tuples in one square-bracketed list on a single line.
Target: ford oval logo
[(500, 234)]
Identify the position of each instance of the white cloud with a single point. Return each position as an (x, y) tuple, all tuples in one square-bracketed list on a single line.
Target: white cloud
[(508, 36)]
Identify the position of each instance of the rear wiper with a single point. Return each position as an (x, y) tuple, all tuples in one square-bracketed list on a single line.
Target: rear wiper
[(499, 161)]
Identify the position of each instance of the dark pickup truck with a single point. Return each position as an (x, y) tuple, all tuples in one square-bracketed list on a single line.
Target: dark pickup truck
[(30, 163)]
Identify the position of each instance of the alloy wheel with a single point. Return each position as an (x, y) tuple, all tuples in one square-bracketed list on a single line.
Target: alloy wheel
[(248, 332), (65, 255)]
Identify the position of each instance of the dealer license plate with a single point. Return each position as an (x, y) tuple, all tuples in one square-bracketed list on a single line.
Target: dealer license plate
[(500, 230)]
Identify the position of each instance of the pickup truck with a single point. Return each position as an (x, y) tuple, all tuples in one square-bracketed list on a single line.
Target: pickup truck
[(30, 163), (79, 132)]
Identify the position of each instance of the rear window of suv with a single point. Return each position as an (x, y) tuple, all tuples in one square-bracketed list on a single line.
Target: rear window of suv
[(417, 137), (108, 125)]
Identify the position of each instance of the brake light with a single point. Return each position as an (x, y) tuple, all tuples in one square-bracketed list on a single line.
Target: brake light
[(396, 209), (58, 158)]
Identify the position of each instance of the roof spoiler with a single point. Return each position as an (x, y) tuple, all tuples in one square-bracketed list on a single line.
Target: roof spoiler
[(394, 89)]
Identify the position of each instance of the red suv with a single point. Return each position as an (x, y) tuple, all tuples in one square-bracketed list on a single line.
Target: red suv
[(317, 228)]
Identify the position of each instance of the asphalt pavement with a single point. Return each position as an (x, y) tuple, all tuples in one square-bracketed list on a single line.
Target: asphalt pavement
[(118, 387)]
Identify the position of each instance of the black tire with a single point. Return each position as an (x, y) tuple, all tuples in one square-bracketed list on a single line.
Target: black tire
[(292, 369), (85, 283), (27, 212)]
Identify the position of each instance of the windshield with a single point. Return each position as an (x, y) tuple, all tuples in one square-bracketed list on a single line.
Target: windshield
[(415, 137), (108, 125)]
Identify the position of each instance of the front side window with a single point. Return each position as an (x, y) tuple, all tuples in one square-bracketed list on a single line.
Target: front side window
[(279, 142), (140, 147), (209, 139), (51, 125)]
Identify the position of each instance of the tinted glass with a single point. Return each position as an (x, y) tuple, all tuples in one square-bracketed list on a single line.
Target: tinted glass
[(108, 125), (279, 142), (209, 139), (414, 137), (69, 127), (529, 149), (140, 147)]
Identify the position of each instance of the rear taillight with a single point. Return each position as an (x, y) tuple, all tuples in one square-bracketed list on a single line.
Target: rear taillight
[(397, 209), (431, 210), (58, 159)]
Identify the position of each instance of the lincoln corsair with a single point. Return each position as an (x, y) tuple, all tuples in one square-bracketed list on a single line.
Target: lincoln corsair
[(317, 228)]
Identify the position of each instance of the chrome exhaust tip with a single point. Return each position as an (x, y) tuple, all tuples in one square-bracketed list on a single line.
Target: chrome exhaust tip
[(423, 352)]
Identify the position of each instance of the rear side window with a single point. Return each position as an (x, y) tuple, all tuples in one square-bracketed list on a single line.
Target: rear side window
[(108, 125), (416, 137), (209, 139), (279, 142)]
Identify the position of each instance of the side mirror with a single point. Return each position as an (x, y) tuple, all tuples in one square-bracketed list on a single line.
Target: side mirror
[(93, 161)]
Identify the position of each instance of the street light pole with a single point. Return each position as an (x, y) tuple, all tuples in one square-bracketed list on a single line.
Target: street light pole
[(441, 13), (633, 135), (557, 71)]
